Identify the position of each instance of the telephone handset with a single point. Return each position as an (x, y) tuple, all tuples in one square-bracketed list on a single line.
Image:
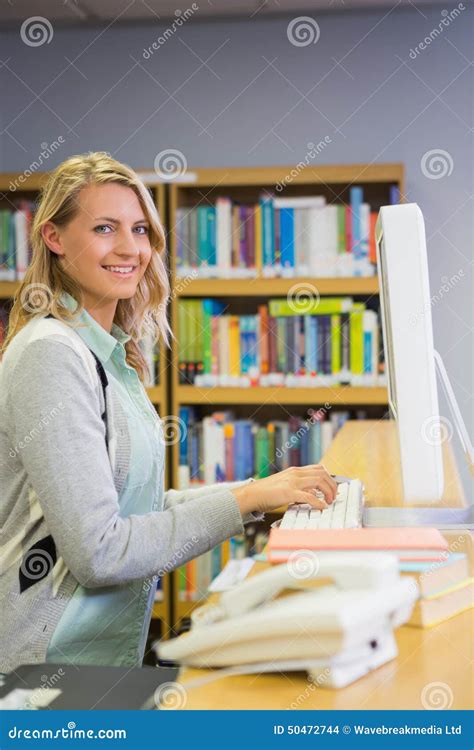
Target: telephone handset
[(341, 631)]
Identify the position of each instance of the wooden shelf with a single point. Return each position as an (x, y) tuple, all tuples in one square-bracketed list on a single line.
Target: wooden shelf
[(155, 394), (159, 610), (337, 395), (261, 287), (8, 288), (21, 183), (260, 176), (184, 609)]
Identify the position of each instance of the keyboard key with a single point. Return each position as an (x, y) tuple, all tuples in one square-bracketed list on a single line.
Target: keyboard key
[(344, 512)]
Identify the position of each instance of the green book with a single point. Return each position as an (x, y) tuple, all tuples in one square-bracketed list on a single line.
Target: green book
[(261, 453), (335, 344), (357, 339), (341, 229), (322, 306)]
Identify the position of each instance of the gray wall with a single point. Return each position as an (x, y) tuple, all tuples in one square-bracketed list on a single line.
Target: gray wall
[(362, 88)]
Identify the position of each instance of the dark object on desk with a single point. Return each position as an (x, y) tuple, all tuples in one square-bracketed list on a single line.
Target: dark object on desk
[(85, 687)]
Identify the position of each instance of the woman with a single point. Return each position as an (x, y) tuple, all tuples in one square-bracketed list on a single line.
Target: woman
[(86, 525)]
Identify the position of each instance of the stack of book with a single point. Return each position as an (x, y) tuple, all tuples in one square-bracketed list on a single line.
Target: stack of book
[(444, 585), (446, 589), (297, 343), (222, 448), (288, 237), (15, 248)]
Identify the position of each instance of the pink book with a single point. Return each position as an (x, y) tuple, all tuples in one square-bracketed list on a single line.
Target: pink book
[(408, 544)]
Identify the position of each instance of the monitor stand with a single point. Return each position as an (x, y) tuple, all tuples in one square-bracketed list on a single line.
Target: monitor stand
[(434, 517)]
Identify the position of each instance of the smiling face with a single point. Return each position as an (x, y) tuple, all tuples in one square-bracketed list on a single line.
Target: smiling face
[(105, 248)]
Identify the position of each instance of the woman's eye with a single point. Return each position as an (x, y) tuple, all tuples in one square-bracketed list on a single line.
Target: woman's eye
[(145, 230), (99, 228)]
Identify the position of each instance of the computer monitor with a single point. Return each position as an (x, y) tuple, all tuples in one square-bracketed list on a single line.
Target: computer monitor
[(409, 350)]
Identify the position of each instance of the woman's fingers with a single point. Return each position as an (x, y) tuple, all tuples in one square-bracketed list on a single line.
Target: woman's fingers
[(317, 481), (307, 497)]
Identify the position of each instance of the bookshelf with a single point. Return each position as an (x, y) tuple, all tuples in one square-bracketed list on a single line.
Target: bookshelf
[(202, 187), (28, 188)]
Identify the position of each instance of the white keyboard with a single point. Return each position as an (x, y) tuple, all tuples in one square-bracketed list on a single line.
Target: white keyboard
[(344, 513)]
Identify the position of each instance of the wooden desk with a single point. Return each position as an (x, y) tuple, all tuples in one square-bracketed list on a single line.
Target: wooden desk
[(443, 654), (368, 449)]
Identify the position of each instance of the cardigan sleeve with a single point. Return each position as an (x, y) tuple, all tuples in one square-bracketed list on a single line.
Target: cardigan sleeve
[(176, 497), (55, 417)]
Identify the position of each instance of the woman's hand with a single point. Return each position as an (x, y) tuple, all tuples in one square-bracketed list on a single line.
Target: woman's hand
[(294, 485)]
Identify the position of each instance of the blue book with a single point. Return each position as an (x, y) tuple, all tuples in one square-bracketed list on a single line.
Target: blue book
[(314, 343), (206, 230), (202, 249), (356, 197), (183, 445), (194, 468), (302, 353), (394, 194), (211, 236), (253, 340), (248, 450), (367, 352), (239, 437), (216, 561), (287, 237), (244, 344), (268, 231), (307, 342), (315, 442)]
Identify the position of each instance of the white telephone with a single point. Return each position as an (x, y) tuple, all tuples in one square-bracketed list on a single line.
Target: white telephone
[(337, 632)]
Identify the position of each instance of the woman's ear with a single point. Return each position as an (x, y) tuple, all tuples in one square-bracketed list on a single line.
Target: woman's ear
[(52, 237)]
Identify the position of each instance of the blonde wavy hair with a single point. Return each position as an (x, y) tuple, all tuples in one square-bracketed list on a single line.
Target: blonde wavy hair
[(45, 280)]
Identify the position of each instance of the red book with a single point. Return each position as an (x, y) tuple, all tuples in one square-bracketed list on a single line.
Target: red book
[(407, 544), (372, 247), (264, 353)]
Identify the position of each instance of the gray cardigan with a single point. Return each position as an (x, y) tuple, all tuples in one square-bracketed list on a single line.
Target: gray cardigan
[(57, 484)]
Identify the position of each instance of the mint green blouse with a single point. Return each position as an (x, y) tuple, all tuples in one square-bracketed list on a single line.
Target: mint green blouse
[(109, 625)]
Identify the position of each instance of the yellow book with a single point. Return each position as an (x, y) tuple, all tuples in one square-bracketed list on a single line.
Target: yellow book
[(441, 606), (225, 553), (234, 345), (356, 344), (335, 344)]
